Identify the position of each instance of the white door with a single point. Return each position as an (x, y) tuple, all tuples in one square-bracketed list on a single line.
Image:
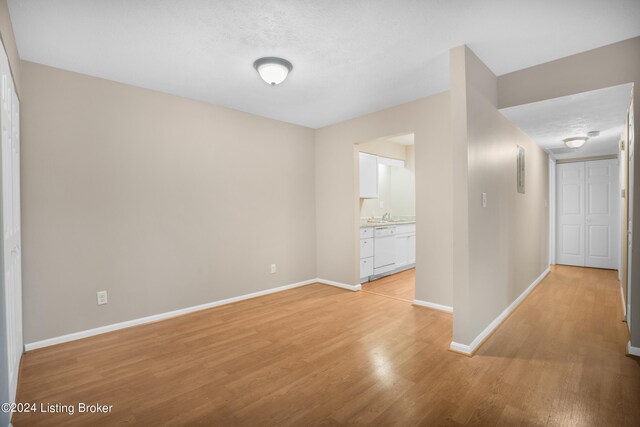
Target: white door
[(571, 218), (601, 214), (10, 135), (587, 222)]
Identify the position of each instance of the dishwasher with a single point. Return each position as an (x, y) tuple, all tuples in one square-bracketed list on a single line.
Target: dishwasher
[(384, 250)]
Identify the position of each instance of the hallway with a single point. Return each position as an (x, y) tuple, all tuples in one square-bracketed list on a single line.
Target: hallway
[(320, 355)]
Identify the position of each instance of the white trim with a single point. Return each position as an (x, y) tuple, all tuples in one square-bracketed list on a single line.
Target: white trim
[(357, 287), (433, 305), (162, 316), (634, 351), (552, 210), (469, 349), (622, 301), (461, 348)]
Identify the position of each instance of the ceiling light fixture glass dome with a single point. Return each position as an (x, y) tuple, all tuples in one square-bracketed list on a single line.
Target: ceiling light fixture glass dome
[(575, 142), (273, 70)]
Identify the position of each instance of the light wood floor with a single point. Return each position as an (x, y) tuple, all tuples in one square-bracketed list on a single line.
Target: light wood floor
[(319, 355), (400, 285)]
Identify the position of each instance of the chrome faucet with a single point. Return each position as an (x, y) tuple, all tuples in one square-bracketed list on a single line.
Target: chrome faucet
[(386, 217)]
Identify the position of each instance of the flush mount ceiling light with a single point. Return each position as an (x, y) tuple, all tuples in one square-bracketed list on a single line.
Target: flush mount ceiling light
[(575, 142), (273, 70)]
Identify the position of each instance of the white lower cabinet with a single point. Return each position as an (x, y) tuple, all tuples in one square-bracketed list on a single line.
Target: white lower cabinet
[(366, 248), (402, 250), (405, 250), (366, 268), (366, 253), (383, 251), (412, 249), (405, 245)]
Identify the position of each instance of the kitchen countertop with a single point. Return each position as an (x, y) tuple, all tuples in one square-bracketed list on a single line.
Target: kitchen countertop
[(364, 224)]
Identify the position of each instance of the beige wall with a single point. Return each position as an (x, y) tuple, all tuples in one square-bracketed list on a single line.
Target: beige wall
[(9, 42), (336, 193), (607, 66), (163, 202), (503, 247)]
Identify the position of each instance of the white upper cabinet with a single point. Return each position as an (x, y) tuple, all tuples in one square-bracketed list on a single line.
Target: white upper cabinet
[(368, 176)]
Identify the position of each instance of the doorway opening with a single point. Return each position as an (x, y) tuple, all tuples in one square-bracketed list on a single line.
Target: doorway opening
[(589, 142), (386, 202), (587, 219)]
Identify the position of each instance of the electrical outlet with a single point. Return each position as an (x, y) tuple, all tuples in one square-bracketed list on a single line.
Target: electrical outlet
[(484, 200), (273, 268), (102, 297)]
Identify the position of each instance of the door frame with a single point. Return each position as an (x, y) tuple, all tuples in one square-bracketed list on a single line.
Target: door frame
[(554, 204), (552, 210), (631, 193), (625, 188)]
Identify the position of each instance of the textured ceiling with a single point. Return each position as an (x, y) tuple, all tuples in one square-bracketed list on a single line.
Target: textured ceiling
[(549, 122), (349, 57)]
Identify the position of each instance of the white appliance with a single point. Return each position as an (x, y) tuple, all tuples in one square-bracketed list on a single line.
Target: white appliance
[(384, 249)]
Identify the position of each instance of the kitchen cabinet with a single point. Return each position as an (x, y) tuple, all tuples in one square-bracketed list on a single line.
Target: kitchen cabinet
[(366, 248), (366, 253), (366, 232), (405, 250), (366, 269), (369, 173), (368, 176), (405, 245), (386, 249)]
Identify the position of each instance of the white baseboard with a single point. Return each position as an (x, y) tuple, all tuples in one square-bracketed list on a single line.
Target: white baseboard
[(461, 348), (634, 351), (162, 316), (433, 305), (357, 287), (624, 304), (471, 348)]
